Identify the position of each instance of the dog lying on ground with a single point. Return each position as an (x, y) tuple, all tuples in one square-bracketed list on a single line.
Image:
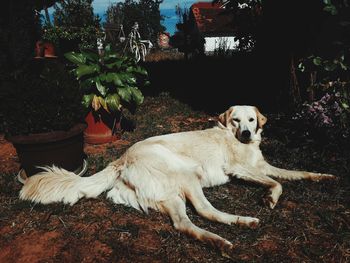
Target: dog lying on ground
[(162, 172)]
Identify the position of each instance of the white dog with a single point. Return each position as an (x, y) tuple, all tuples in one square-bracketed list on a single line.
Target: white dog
[(162, 172)]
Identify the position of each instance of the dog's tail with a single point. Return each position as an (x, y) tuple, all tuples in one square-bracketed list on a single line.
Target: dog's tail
[(58, 185)]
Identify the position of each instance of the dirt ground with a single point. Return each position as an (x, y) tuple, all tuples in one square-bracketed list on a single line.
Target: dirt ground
[(311, 222)]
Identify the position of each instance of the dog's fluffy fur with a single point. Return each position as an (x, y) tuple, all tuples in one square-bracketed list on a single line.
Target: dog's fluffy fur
[(163, 172)]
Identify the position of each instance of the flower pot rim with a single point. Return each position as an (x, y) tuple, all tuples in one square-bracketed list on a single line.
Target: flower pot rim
[(47, 137)]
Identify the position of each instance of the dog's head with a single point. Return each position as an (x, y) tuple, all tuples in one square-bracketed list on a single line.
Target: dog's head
[(246, 122)]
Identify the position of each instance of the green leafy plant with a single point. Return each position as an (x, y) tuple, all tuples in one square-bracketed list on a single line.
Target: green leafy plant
[(42, 97), (109, 80)]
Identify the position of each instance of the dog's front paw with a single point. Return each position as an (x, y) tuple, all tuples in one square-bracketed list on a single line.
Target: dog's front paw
[(271, 199), (251, 222)]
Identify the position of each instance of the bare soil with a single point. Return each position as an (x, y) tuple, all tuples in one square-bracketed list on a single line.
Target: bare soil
[(311, 222)]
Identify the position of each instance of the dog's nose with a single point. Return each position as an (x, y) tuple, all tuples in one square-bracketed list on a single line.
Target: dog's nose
[(246, 134)]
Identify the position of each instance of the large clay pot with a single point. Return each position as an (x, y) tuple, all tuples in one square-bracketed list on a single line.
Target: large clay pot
[(49, 50), (64, 149), (102, 127), (39, 49)]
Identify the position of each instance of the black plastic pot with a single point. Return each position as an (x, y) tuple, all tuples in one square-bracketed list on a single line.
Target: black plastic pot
[(64, 149)]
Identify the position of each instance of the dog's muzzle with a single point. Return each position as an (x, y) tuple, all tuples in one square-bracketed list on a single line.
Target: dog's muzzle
[(245, 136)]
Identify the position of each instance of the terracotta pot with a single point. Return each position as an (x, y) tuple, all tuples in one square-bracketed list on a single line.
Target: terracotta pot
[(49, 50), (101, 127), (61, 148), (39, 49)]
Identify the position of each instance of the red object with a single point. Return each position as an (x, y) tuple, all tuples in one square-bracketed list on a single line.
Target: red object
[(101, 127), (212, 19), (49, 50), (163, 40), (39, 49), (206, 5)]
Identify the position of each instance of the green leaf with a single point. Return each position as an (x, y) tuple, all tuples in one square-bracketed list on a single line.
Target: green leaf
[(108, 48), (141, 71), (116, 64), (87, 99), (137, 96), (331, 9), (93, 57), (125, 94), (345, 105), (130, 69), (317, 61), (113, 102), (83, 70), (301, 67), (328, 66), (343, 66), (76, 58), (102, 77), (114, 77), (103, 103), (131, 80), (101, 88), (86, 84), (128, 78)]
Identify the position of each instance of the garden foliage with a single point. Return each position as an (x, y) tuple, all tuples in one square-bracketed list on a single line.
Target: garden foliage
[(110, 80), (145, 12), (43, 97), (75, 26)]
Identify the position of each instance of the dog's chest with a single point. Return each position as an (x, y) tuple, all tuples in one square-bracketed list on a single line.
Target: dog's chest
[(255, 156), (249, 155)]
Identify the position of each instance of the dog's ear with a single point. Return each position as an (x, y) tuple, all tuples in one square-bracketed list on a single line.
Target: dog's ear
[(261, 118), (225, 118)]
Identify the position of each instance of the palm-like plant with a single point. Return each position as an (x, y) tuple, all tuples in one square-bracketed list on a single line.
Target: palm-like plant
[(110, 80)]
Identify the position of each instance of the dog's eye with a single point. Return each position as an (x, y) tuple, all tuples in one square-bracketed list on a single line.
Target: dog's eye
[(251, 119), (236, 120)]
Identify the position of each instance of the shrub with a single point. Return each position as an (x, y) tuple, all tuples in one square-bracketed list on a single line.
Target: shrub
[(329, 115), (70, 38), (43, 97)]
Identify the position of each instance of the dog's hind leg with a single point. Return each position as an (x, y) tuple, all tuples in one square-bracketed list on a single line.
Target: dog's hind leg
[(204, 208), (176, 209), (294, 175)]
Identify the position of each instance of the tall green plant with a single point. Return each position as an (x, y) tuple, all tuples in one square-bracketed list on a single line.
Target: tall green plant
[(110, 80)]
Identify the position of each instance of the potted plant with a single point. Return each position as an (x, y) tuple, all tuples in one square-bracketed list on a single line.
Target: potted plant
[(110, 82), (43, 117)]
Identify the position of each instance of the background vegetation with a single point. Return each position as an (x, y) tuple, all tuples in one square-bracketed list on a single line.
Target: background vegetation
[(145, 12)]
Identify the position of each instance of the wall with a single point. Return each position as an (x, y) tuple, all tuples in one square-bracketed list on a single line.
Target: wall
[(212, 43)]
